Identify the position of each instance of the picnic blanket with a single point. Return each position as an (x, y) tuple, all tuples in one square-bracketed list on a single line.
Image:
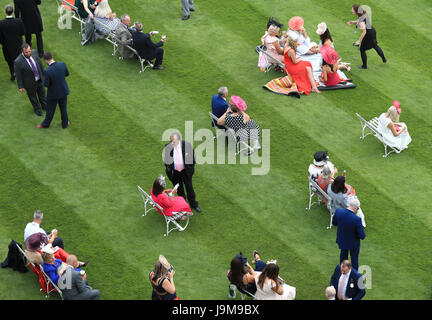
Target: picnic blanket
[(284, 85)]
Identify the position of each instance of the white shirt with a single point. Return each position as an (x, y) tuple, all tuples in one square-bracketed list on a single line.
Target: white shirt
[(32, 228), (343, 284), (34, 62)]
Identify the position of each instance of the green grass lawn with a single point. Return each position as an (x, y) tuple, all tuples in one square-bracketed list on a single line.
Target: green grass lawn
[(84, 178)]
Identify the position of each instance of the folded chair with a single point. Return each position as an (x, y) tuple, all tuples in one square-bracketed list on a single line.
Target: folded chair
[(315, 190), (149, 204), (240, 145), (47, 285), (69, 5)]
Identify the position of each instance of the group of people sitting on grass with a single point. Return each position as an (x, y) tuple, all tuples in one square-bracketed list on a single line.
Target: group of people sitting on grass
[(46, 250), (233, 116), (101, 20), (291, 48), (323, 172)]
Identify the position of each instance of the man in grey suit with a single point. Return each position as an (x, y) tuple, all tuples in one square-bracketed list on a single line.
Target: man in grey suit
[(124, 37), (187, 7), (73, 283), (29, 75)]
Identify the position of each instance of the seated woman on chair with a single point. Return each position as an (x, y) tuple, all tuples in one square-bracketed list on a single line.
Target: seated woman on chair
[(341, 193), (162, 280), (325, 178), (270, 286), (395, 133), (271, 41), (236, 119), (170, 204), (242, 275), (104, 15)]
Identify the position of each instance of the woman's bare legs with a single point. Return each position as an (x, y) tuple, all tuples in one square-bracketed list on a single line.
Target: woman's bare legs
[(312, 80)]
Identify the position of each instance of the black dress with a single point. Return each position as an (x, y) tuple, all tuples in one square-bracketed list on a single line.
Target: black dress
[(369, 40)]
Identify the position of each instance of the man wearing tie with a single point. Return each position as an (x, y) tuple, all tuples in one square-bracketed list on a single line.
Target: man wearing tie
[(350, 231), (179, 158), (29, 75), (11, 32), (347, 282), (58, 90)]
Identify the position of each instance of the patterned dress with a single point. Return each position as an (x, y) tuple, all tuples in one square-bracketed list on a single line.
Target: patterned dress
[(245, 131)]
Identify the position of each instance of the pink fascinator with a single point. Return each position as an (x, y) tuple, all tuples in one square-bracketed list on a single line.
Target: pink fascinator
[(238, 102), (397, 106), (329, 54), (296, 23), (321, 28)]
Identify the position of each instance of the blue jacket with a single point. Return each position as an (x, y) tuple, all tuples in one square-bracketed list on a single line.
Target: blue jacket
[(350, 229), (219, 106), (353, 290), (55, 81), (51, 269)]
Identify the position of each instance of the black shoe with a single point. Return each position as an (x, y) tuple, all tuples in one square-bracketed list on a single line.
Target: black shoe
[(84, 264), (192, 10), (197, 209), (13, 77), (362, 67), (186, 17), (38, 112), (385, 60), (158, 68)]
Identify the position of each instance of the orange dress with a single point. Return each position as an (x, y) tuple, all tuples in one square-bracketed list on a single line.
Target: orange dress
[(299, 73)]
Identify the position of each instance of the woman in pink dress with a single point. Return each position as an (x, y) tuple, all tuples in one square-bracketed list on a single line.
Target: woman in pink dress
[(300, 70), (271, 41), (165, 198)]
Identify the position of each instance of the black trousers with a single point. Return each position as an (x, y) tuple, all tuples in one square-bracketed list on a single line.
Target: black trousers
[(184, 179), (51, 108), (36, 95), (39, 41), (11, 67), (159, 56)]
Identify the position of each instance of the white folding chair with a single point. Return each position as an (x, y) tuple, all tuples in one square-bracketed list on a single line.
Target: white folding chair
[(315, 190), (148, 201)]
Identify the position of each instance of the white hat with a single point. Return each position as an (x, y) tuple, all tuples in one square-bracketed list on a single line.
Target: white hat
[(48, 249), (293, 35), (322, 27)]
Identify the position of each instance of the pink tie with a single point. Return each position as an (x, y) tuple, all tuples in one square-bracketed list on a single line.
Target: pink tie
[(341, 286), (179, 162)]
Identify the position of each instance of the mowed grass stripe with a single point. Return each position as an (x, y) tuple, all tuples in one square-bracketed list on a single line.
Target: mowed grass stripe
[(80, 237)]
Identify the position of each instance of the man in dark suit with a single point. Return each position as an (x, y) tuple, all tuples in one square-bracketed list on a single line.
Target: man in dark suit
[(146, 48), (179, 158), (219, 104), (58, 90), (29, 75), (28, 11), (73, 282), (11, 32), (350, 231), (347, 282)]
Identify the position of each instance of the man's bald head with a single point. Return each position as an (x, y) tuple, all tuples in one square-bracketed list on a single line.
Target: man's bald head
[(72, 260)]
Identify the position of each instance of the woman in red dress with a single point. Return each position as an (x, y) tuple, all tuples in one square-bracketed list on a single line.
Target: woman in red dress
[(300, 70), (169, 203)]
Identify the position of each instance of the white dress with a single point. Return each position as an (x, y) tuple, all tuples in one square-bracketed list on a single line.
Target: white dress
[(266, 293), (400, 142)]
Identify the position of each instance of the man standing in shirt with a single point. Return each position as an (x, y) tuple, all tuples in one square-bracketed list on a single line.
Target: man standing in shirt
[(11, 32), (347, 282), (29, 75), (179, 158), (58, 90)]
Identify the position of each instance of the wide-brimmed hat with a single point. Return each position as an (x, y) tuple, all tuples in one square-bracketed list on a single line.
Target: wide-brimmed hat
[(35, 242), (238, 102), (329, 54), (321, 28), (320, 158), (296, 23)]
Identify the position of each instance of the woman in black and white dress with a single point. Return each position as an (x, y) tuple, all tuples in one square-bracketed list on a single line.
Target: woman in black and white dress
[(236, 119), (367, 39)]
